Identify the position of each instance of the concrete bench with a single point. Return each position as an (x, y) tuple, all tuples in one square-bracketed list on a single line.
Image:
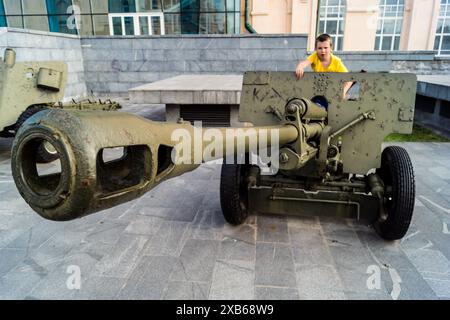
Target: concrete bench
[(213, 99)]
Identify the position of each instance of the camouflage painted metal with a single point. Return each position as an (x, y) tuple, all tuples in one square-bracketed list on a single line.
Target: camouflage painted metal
[(29, 87), (389, 97), (25, 84), (330, 157)]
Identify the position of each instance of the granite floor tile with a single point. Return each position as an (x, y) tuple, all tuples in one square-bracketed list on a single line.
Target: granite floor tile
[(197, 260), (187, 290), (272, 229), (274, 265), (233, 280)]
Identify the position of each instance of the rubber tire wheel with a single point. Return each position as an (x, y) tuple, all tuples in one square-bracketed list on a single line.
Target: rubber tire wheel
[(25, 115), (234, 193), (42, 155), (397, 172)]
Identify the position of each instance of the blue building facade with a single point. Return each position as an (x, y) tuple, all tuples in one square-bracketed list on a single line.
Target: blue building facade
[(123, 17)]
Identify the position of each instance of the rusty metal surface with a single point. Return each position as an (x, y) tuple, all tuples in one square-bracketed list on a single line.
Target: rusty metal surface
[(87, 183)]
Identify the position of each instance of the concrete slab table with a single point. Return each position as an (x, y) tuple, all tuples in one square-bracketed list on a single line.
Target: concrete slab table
[(433, 102), (214, 99)]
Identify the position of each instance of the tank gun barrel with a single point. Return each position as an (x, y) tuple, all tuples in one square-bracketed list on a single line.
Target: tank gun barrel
[(152, 152)]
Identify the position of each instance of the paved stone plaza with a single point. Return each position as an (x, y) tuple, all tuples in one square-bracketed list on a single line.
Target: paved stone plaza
[(173, 243)]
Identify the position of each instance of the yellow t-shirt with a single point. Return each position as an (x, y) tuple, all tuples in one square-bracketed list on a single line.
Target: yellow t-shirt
[(336, 64)]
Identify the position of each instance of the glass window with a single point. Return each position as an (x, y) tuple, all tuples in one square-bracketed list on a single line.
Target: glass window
[(99, 6), (156, 25), (2, 15), (59, 20), (148, 5), (446, 25), (15, 22), (440, 23), (332, 20), (386, 43), (117, 26), (233, 20), (34, 7), (436, 44), (333, 3), (171, 5), (84, 5), (397, 42), (445, 43), (156, 5), (322, 12), (190, 15), (120, 6), (202, 16), (143, 26), (389, 26), (212, 5), (233, 5), (129, 26), (212, 23), (100, 24), (35, 15), (172, 23), (64, 23), (86, 25), (441, 41), (398, 26), (332, 27), (13, 7), (180, 16), (58, 6), (321, 26), (36, 22), (86, 8)]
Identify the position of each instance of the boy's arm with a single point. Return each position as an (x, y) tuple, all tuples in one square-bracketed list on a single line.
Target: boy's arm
[(300, 70), (347, 87)]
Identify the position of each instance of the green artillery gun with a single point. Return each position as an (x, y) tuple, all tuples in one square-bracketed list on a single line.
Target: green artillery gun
[(29, 87), (327, 158)]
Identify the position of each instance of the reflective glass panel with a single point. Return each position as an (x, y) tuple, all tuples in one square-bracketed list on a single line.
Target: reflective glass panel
[(143, 26), (129, 26), (117, 26), (156, 25), (172, 23), (101, 24)]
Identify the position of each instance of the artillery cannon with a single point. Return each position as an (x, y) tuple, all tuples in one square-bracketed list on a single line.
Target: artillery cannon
[(325, 152)]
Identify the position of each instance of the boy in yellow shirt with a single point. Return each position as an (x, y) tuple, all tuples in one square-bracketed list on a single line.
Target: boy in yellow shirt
[(322, 60)]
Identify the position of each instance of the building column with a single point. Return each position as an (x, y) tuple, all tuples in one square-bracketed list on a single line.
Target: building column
[(271, 16), (419, 25), (304, 17), (360, 25)]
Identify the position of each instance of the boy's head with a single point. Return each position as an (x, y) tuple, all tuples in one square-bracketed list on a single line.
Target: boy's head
[(324, 44)]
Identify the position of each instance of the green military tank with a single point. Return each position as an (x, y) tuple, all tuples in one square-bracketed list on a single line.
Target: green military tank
[(29, 87)]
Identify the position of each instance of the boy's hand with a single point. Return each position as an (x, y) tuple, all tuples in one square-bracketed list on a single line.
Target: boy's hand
[(299, 71)]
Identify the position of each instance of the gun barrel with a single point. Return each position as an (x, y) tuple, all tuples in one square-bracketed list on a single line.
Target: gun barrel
[(88, 182)]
